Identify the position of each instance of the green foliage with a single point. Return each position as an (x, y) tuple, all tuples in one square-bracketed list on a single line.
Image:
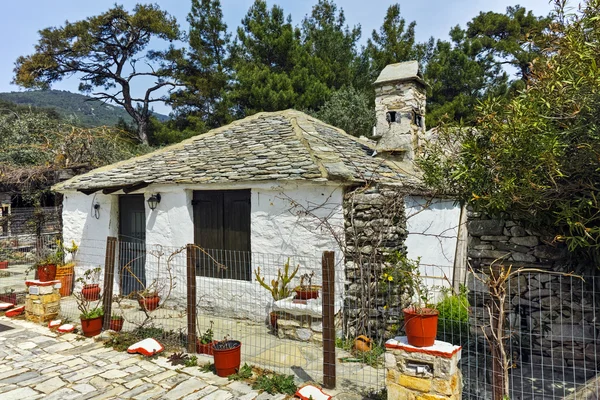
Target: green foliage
[(204, 70), (453, 309), (279, 287), (97, 49), (192, 361), (244, 373), (351, 110), (208, 367), (373, 358), (536, 156), (92, 313), (208, 335), (275, 383)]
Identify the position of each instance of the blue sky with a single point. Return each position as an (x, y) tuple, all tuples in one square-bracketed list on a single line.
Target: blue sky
[(21, 20)]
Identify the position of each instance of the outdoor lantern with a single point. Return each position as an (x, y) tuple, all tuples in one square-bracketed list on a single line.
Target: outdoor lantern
[(153, 201)]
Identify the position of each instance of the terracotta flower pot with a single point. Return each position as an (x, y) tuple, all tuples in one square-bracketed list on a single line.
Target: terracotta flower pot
[(3, 264), (149, 303), (46, 272), (9, 298), (65, 276), (307, 293), (420, 326), (273, 320), (91, 292), (116, 325), (227, 357), (91, 327), (205, 348)]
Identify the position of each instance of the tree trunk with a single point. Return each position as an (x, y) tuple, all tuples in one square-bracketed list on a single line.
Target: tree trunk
[(142, 130)]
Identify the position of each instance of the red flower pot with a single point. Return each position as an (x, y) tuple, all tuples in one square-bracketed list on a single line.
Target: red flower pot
[(46, 273), (420, 326), (91, 292), (227, 357), (149, 303), (3, 264), (9, 298), (205, 348), (307, 294), (116, 325), (91, 327), (273, 320)]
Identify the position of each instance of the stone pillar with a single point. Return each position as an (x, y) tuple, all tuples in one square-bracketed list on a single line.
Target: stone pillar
[(422, 373), (42, 302)]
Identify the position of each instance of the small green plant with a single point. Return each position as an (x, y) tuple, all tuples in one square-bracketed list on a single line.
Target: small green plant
[(208, 367), (192, 361), (92, 313), (178, 359), (208, 335), (244, 373), (279, 287), (275, 383), (453, 325)]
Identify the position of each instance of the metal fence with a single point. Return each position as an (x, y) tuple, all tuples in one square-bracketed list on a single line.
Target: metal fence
[(27, 220), (551, 334)]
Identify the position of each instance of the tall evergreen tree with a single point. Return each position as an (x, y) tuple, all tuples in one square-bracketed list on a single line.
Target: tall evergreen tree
[(204, 71), (331, 44), (264, 56), (395, 41)]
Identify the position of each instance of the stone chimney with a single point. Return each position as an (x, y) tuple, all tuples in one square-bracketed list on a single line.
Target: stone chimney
[(400, 110)]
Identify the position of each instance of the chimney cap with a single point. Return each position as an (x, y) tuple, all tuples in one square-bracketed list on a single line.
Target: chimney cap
[(404, 71)]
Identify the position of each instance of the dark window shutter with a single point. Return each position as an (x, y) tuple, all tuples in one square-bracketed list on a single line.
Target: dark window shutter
[(222, 228)]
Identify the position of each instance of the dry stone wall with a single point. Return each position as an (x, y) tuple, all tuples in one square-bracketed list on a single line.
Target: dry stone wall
[(554, 314), (375, 225)]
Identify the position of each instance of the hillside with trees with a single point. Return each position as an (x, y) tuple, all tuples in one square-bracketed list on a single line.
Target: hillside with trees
[(76, 108)]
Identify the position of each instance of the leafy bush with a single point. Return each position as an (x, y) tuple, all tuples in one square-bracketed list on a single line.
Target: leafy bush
[(276, 383), (453, 325)]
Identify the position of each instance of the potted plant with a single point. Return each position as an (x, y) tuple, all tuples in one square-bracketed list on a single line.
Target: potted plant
[(9, 296), (91, 287), (5, 254), (65, 272), (420, 317), (279, 287), (204, 344), (46, 261), (148, 298), (116, 323), (227, 355), (91, 321), (91, 312), (306, 290)]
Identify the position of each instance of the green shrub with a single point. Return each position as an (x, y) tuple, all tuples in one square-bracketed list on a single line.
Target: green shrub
[(453, 325), (275, 383)]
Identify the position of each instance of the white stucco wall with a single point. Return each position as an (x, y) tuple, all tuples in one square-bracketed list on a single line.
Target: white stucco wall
[(89, 228), (432, 235), (286, 221)]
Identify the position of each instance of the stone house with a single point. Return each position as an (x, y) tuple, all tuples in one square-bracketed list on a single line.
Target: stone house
[(280, 183)]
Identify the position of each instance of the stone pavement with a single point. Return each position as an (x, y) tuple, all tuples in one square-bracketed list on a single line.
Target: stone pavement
[(36, 363)]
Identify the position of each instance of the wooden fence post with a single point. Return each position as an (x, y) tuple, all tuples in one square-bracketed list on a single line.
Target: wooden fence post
[(328, 269), (191, 298), (109, 279)]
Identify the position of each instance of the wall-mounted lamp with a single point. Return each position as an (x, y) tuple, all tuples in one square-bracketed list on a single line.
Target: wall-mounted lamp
[(153, 201), (96, 210)]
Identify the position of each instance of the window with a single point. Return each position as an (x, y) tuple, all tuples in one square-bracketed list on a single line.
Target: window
[(222, 228), (390, 117)]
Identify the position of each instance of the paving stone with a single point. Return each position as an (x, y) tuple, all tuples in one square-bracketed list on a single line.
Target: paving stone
[(239, 387), (202, 393), (84, 388), (162, 376), (219, 395), (26, 345), (150, 394), (185, 388), (139, 390), (83, 374), (111, 393), (113, 374), (7, 374), (21, 393), (134, 383)]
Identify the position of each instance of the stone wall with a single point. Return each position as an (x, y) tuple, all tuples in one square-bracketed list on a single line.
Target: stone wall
[(552, 316), (375, 228)]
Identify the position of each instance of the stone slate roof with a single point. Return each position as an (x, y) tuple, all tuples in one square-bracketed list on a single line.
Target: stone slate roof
[(285, 145), (404, 71)]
